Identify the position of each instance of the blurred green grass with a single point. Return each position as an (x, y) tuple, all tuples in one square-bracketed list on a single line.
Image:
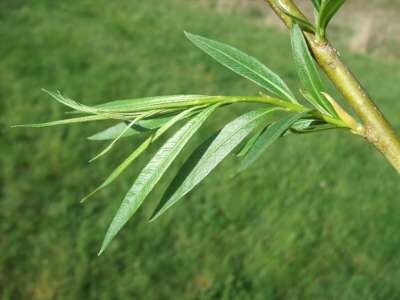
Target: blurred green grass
[(317, 218)]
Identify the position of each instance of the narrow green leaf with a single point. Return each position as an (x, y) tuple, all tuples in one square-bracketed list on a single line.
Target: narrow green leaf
[(108, 148), (141, 126), (250, 142), (244, 65), (121, 134), (268, 137), (153, 172), (310, 125), (223, 144), (328, 10), (154, 103), (185, 170), (308, 72), (304, 24), (306, 124), (138, 151), (65, 121), (114, 131)]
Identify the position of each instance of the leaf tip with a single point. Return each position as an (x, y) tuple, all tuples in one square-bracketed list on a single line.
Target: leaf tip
[(153, 217), (190, 36), (104, 244), (96, 157), (51, 94)]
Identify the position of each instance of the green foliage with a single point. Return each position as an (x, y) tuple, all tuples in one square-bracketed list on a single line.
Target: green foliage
[(157, 115), (223, 144), (325, 11), (139, 150), (151, 103), (268, 137), (141, 126), (234, 237), (115, 131), (303, 23), (244, 65), (308, 72), (153, 172)]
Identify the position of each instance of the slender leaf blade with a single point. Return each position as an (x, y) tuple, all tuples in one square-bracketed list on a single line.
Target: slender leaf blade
[(153, 172), (243, 65), (141, 126), (153, 103), (84, 119), (304, 24), (249, 144), (138, 151), (223, 144), (328, 11), (115, 140), (310, 125), (114, 131), (268, 137), (308, 72)]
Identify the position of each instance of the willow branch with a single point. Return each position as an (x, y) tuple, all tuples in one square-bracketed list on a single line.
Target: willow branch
[(378, 131)]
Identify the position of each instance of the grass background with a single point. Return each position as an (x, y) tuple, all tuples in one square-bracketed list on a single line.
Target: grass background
[(316, 218)]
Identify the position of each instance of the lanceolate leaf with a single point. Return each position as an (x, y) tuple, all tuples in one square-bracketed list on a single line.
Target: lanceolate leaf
[(244, 65), (153, 103), (65, 121), (121, 134), (114, 131), (308, 72), (250, 142), (306, 124), (142, 126), (310, 125), (139, 150), (153, 172), (268, 137), (328, 10), (304, 24), (223, 144)]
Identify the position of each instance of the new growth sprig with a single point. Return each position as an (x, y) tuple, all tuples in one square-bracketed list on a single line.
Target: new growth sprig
[(375, 127), (324, 11), (279, 113)]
